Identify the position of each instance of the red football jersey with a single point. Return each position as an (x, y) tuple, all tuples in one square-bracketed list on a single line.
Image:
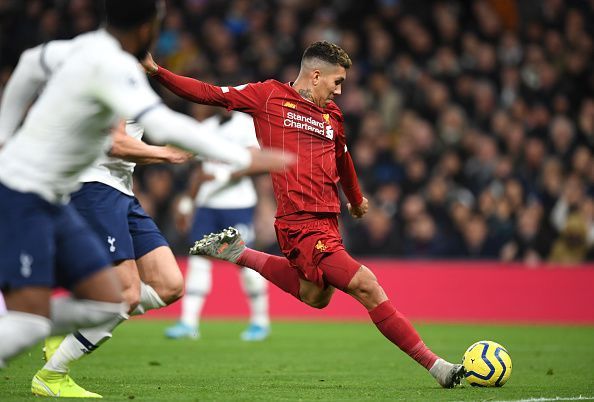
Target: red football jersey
[(285, 120)]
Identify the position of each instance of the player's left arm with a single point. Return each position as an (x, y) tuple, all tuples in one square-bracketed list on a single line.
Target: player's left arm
[(358, 205), (135, 150)]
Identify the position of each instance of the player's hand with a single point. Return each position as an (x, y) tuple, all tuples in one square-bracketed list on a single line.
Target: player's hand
[(149, 65), (357, 211), (177, 156)]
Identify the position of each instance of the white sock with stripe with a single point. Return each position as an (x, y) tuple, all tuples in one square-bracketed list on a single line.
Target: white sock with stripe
[(80, 343)]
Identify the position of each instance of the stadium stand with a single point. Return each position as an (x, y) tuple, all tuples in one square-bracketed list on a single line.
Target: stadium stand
[(471, 123)]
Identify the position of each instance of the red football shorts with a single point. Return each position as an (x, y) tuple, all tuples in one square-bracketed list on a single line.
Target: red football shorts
[(314, 247)]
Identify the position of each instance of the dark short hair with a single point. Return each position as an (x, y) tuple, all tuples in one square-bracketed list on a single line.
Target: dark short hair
[(328, 52), (127, 14)]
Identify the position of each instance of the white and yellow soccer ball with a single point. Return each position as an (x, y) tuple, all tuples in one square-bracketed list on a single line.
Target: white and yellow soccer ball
[(487, 364)]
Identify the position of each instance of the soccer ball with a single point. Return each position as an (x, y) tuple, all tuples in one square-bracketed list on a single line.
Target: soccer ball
[(487, 364)]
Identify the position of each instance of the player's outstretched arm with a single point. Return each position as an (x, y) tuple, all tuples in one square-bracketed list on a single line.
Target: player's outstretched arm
[(125, 90), (246, 98), (135, 150)]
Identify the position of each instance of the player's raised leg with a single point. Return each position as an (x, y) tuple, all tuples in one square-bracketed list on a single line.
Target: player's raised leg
[(228, 245)]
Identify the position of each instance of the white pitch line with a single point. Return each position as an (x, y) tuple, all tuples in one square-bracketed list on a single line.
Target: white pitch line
[(557, 398)]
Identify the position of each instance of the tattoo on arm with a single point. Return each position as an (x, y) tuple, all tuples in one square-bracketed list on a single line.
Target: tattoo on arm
[(306, 93)]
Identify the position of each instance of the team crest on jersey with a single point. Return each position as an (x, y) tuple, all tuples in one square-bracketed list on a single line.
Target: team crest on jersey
[(321, 246), (26, 263), (111, 241), (290, 105), (326, 117)]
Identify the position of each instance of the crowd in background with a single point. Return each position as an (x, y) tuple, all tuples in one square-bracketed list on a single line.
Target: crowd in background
[(471, 123)]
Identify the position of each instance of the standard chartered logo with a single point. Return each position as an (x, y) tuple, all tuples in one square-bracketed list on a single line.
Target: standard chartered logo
[(308, 123)]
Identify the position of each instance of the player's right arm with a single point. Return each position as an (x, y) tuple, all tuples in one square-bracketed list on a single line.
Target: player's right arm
[(34, 68), (246, 98)]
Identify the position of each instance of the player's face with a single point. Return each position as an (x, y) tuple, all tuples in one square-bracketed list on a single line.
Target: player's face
[(329, 84)]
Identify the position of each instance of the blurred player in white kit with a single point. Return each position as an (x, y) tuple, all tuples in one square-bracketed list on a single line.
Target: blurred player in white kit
[(222, 202)]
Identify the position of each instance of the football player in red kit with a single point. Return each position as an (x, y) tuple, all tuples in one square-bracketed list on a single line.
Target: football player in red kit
[(301, 117)]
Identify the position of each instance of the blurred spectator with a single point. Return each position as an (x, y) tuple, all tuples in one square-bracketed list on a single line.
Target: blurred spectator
[(478, 242), (375, 235), (571, 247)]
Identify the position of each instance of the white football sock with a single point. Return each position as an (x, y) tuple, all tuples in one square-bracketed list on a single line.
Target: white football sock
[(69, 314), (19, 331), (198, 285), (80, 343), (256, 289), (149, 300)]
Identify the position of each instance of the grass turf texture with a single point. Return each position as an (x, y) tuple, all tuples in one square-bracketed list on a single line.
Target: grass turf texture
[(314, 361)]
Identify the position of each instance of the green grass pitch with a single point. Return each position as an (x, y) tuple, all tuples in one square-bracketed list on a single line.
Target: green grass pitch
[(315, 361)]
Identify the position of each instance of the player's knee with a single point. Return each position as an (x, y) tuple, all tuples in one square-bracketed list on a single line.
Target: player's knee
[(172, 290), (319, 303), (317, 300), (131, 295), (364, 285)]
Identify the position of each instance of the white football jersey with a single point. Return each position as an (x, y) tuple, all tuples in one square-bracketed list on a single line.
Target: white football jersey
[(221, 193), (66, 130), (114, 172)]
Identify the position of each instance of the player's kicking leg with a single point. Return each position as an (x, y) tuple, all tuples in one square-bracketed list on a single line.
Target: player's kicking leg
[(365, 288), (228, 245), (359, 283)]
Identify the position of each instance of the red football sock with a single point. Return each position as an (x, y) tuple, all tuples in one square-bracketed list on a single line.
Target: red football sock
[(276, 269), (396, 327)]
